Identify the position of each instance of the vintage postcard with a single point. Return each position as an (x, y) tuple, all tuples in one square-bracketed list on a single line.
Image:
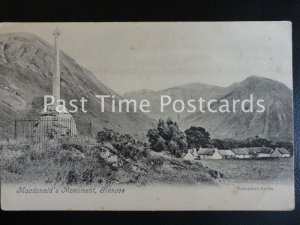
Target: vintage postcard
[(146, 116)]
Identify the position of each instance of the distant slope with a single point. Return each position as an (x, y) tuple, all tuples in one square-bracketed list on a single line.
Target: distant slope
[(183, 92), (276, 123), (26, 70)]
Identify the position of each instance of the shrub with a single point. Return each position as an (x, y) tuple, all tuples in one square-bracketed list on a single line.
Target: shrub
[(125, 144), (72, 177)]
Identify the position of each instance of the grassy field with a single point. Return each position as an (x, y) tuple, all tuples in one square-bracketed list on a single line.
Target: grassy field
[(278, 170)]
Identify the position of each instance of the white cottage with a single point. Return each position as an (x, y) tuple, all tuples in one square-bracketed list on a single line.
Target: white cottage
[(276, 154), (227, 154), (209, 153), (241, 153), (264, 153), (284, 153), (260, 152), (216, 155), (191, 155)]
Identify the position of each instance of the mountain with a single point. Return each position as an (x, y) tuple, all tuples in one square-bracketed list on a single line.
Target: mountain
[(183, 92), (26, 71), (276, 123)]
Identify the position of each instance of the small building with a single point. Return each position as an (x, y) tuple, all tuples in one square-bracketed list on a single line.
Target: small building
[(284, 153), (227, 154), (191, 155), (205, 153), (260, 152), (241, 153), (264, 152), (216, 155), (209, 153), (276, 154)]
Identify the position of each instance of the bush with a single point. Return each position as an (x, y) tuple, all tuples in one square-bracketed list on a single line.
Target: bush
[(106, 135), (125, 144)]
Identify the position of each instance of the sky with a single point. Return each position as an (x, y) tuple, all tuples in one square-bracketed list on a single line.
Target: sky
[(132, 56)]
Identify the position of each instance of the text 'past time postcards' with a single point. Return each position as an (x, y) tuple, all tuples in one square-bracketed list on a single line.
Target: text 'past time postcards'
[(146, 116)]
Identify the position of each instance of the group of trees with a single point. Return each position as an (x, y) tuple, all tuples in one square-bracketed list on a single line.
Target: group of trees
[(167, 136)]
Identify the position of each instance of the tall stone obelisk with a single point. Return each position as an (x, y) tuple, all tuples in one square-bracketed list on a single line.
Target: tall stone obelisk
[(54, 124), (56, 77)]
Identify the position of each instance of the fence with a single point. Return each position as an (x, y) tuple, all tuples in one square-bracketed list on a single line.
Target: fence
[(50, 128)]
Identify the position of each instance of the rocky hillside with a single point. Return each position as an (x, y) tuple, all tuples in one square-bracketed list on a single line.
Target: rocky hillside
[(276, 123), (26, 70)]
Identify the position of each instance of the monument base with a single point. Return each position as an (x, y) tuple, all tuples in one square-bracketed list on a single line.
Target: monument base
[(55, 125)]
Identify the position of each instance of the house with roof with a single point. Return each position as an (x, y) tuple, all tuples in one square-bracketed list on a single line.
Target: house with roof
[(280, 152), (276, 154), (241, 153), (227, 154), (260, 152), (209, 153), (191, 155)]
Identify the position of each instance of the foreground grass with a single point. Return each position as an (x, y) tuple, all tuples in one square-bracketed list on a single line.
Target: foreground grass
[(83, 161)]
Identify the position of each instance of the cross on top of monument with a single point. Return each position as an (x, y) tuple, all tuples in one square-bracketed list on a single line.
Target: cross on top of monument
[(56, 32)]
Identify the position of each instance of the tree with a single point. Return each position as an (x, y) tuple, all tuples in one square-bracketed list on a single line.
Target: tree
[(167, 136), (157, 143), (197, 137)]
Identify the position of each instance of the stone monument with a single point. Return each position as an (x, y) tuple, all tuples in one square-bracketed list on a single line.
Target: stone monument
[(53, 124)]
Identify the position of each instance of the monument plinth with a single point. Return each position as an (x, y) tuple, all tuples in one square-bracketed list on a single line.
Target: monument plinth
[(53, 124)]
